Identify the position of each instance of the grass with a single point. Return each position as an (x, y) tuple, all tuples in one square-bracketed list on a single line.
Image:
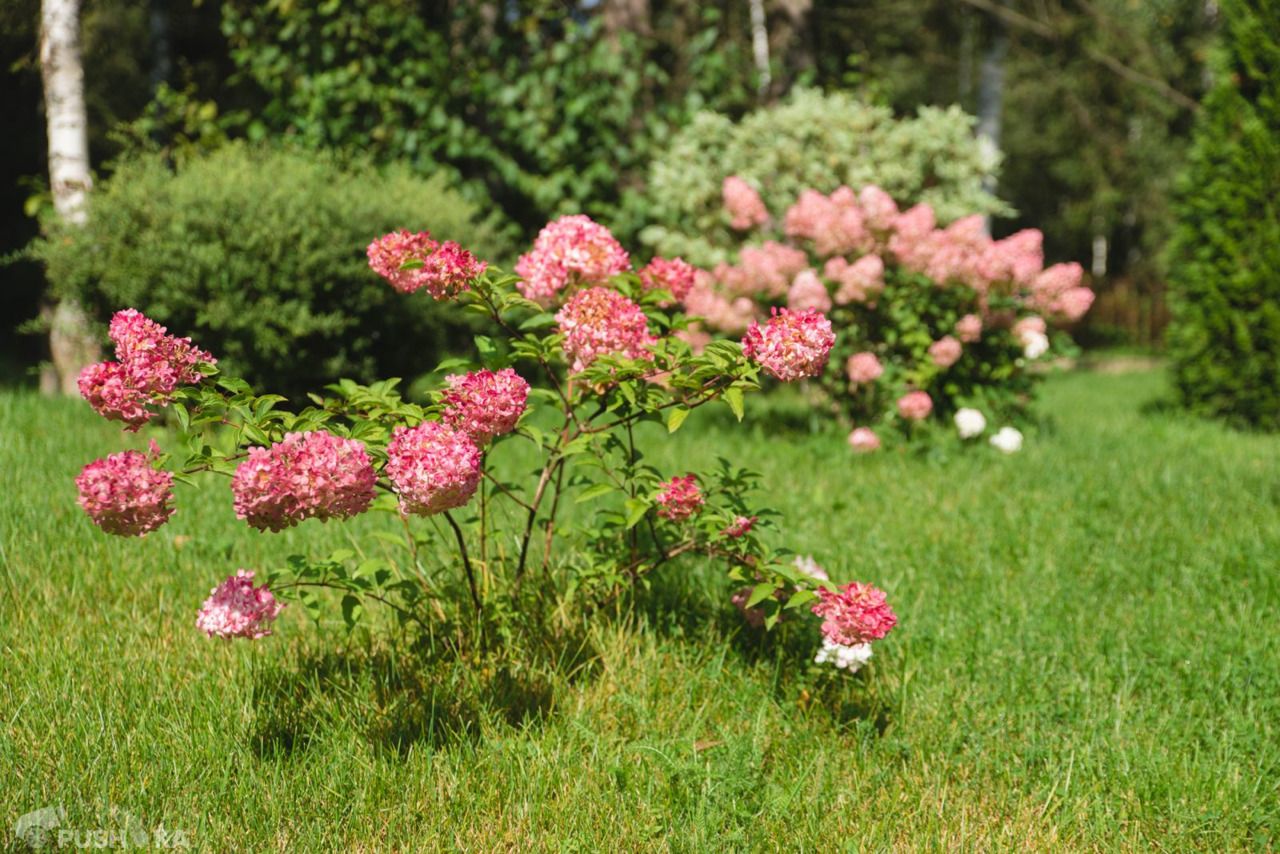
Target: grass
[(1087, 659)]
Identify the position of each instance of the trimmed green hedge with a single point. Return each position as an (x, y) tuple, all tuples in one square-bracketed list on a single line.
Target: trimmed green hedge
[(259, 255)]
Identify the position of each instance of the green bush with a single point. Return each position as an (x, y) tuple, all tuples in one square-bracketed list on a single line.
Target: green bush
[(811, 141), (1225, 285), (259, 254)]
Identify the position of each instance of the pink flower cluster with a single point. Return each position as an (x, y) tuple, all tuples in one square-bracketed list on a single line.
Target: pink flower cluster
[(835, 224), (857, 613), (674, 275), (791, 345), (863, 440), (718, 310), (969, 328), (444, 269), (125, 494), (572, 249), (679, 498), (739, 527), (808, 292), (946, 351), (767, 269), (602, 322), (863, 368), (150, 365), (237, 609), (1058, 293), (861, 281), (915, 405), (746, 208), (303, 476), (485, 404), (433, 467)]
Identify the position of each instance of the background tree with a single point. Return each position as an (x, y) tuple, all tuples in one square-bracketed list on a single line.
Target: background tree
[(1226, 256)]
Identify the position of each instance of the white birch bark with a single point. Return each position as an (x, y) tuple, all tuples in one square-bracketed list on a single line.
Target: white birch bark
[(71, 344)]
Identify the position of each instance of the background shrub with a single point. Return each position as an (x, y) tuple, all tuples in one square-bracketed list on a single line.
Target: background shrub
[(259, 255), (813, 140), (1225, 286)]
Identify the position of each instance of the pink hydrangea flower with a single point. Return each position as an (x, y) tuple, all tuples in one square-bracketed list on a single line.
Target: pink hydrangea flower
[(446, 268), (857, 613), (150, 366), (746, 208), (791, 345), (485, 404), (863, 368), (1072, 304), (879, 208), (602, 322), (1017, 259), (834, 223), (946, 351), (910, 229), (915, 405), (433, 467), (864, 440), (969, 328), (237, 609), (125, 494), (766, 270), (572, 249), (860, 281), (109, 389), (303, 476), (674, 275), (1031, 323), (679, 498), (807, 291), (739, 527)]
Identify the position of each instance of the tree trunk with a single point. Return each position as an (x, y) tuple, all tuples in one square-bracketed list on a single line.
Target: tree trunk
[(760, 47), (626, 16), (71, 344), (991, 100)]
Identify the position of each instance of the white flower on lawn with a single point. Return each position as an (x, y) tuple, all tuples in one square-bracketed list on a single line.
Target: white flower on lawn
[(1008, 440), (970, 423)]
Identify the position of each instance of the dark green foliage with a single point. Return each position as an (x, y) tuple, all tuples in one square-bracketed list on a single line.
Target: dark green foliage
[(1225, 338), (259, 256), (542, 112)]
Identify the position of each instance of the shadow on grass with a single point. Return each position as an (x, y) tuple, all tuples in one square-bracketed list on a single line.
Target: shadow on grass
[(393, 698), (396, 695)]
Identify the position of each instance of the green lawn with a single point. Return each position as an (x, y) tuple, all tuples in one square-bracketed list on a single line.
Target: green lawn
[(1088, 658)]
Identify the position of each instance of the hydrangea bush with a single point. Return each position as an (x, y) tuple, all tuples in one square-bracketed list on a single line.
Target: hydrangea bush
[(925, 324), (605, 348)]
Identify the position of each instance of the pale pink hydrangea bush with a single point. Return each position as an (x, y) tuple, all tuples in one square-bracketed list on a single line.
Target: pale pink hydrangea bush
[(943, 310), (582, 354)]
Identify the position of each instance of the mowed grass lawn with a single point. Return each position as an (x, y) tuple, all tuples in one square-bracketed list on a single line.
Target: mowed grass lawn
[(1088, 658)]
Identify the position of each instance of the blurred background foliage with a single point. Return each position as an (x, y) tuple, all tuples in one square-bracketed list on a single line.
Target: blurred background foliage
[(531, 109)]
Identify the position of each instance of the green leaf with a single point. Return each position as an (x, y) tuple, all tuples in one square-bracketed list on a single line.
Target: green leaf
[(594, 491), (352, 609), (761, 592), (636, 508), (676, 418), (539, 321), (733, 397)]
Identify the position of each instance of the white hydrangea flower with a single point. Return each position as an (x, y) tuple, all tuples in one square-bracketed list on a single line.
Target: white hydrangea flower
[(810, 567), (1034, 344), (970, 423), (850, 658), (1008, 440)]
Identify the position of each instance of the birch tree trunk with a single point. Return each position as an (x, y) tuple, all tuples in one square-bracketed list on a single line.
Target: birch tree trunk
[(991, 100), (760, 47), (71, 344)]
